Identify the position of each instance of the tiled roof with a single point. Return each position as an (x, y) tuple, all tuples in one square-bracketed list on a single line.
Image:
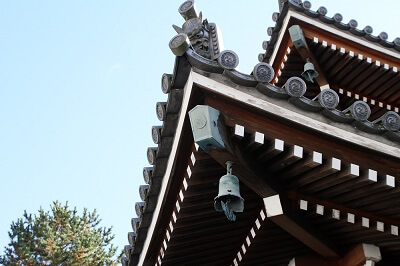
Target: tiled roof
[(357, 114), (157, 158), (321, 14), (325, 103)]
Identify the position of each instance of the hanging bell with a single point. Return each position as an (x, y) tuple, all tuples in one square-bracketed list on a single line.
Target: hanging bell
[(309, 72), (229, 199)]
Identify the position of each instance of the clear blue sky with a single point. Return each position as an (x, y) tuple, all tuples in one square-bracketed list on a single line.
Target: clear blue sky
[(79, 81)]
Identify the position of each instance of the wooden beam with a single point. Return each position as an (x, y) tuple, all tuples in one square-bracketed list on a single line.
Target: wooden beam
[(294, 154), (239, 131), (349, 42), (275, 147), (294, 195), (278, 213), (347, 173), (277, 206), (366, 178), (259, 222), (256, 141), (360, 255), (310, 161), (258, 114), (330, 166), (312, 259)]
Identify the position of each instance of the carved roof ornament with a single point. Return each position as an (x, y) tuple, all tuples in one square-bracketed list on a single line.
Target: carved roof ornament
[(359, 110), (281, 3), (390, 121), (295, 87), (188, 10), (329, 99), (263, 72), (228, 59), (202, 35), (179, 44)]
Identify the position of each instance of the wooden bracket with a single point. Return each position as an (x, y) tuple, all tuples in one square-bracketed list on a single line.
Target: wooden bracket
[(360, 255), (276, 202)]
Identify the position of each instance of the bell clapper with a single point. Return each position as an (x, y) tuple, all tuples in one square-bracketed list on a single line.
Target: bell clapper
[(228, 210), (229, 199)]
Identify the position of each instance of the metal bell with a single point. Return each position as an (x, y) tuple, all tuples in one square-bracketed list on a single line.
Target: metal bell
[(309, 72), (229, 199)]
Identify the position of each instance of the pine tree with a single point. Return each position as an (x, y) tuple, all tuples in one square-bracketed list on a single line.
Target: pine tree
[(59, 237)]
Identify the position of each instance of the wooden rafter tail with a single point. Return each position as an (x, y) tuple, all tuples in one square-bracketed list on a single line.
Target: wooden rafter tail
[(254, 177), (360, 255)]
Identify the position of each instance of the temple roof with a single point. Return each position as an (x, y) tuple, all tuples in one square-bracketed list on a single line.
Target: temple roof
[(275, 84), (320, 14), (355, 63)]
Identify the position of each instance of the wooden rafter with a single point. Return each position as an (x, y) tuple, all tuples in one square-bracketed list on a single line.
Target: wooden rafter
[(342, 208), (255, 121), (360, 255), (253, 176)]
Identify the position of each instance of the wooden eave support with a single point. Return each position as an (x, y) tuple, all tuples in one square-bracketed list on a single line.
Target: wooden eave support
[(305, 54), (280, 215), (360, 255), (277, 205), (295, 196)]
